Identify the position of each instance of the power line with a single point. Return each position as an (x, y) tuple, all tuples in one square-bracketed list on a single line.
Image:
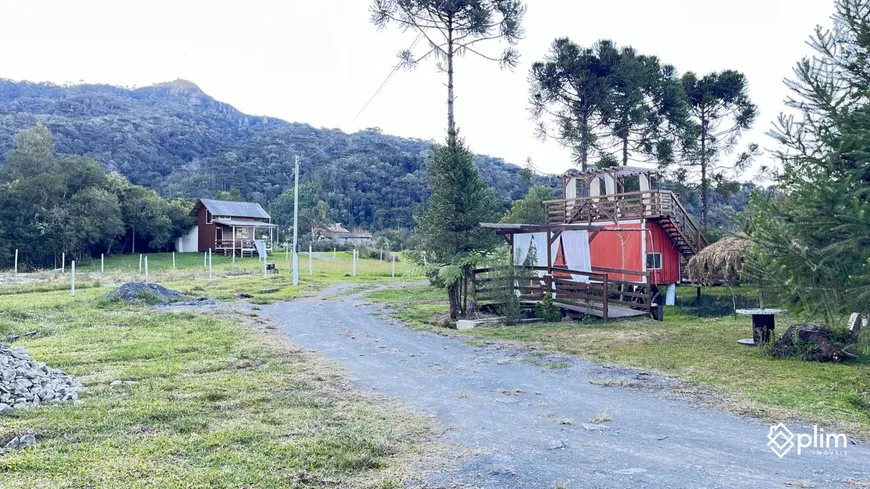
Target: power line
[(387, 80)]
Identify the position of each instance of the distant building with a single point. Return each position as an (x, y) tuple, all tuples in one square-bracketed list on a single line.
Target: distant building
[(227, 227), (340, 235)]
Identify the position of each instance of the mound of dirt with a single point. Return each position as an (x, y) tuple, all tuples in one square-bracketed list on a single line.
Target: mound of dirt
[(145, 293)]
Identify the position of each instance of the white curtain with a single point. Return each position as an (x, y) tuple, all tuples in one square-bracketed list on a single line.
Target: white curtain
[(523, 243), (575, 246)]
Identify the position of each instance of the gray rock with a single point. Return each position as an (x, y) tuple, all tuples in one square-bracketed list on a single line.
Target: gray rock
[(556, 445), (12, 444), (5, 408), (26, 441)]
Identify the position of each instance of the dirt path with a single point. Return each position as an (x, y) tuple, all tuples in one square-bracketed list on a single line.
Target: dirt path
[(526, 421)]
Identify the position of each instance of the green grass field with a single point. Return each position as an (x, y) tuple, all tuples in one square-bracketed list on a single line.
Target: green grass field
[(210, 400), (696, 343)]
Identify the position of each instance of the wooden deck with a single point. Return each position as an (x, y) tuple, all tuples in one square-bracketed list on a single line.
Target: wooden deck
[(598, 296)]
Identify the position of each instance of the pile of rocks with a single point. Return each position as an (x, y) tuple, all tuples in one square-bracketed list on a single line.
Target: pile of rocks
[(147, 293), (26, 383)]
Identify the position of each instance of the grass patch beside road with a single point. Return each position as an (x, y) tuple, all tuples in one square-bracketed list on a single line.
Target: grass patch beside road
[(692, 348), (208, 403)]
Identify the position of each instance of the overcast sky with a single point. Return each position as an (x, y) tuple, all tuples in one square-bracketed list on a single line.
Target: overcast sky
[(319, 61)]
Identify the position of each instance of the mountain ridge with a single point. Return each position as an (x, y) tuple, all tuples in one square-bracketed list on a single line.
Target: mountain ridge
[(175, 138)]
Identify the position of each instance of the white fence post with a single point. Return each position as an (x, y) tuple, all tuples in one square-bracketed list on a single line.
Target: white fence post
[(73, 279), (173, 260), (394, 265), (310, 263), (140, 262), (205, 259), (102, 263), (333, 252), (264, 267), (146, 269), (63, 262), (16, 262), (209, 265), (354, 261)]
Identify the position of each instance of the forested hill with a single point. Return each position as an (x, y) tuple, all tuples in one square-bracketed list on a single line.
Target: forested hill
[(183, 143)]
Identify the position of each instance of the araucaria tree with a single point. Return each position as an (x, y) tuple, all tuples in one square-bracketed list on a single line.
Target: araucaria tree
[(450, 223), (720, 110), (609, 105), (453, 28), (814, 236)]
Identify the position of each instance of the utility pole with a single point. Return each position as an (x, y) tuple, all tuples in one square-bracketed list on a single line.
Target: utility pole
[(296, 226)]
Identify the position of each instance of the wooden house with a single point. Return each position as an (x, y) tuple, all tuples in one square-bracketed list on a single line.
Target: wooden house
[(341, 235), (610, 244), (228, 228)]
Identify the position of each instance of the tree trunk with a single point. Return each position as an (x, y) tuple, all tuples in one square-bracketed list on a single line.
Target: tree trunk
[(451, 120), (452, 296), (625, 151), (704, 183), (584, 139)]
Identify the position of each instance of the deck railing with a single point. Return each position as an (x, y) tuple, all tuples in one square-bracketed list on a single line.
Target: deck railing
[(627, 206), (598, 294), (240, 244)]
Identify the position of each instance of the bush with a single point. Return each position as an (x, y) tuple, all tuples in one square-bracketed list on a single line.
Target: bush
[(547, 310)]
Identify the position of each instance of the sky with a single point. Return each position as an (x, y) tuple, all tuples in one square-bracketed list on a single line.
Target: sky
[(319, 61)]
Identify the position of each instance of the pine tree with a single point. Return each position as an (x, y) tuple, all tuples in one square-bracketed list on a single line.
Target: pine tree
[(450, 224), (814, 236)]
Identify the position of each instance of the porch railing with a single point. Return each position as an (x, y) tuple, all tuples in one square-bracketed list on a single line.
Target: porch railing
[(658, 204), (598, 294)]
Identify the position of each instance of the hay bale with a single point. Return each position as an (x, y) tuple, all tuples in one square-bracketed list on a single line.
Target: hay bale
[(721, 261)]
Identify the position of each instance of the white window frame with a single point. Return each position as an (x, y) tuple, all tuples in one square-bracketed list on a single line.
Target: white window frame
[(653, 267), (209, 219)]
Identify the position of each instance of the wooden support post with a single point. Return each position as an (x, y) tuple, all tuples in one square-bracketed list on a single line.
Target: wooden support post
[(604, 304), (549, 252), (73, 279)]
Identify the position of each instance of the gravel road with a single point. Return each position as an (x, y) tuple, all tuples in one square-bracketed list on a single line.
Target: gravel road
[(526, 421)]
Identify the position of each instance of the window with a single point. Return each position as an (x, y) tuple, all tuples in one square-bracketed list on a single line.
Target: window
[(208, 217), (653, 261)]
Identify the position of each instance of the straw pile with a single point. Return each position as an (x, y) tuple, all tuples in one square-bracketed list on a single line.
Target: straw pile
[(722, 261)]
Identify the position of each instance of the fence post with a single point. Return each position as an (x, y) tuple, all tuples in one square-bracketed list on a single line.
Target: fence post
[(394, 265), (140, 262), (146, 269), (173, 260), (63, 262), (264, 267), (102, 263), (204, 259), (310, 263), (333, 252), (354, 261), (209, 265), (16, 262), (73, 279), (604, 303)]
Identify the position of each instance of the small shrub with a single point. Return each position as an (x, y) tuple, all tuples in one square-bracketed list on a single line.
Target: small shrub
[(547, 310)]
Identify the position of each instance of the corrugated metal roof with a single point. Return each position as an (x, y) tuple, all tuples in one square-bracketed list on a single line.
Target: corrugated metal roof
[(226, 208)]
